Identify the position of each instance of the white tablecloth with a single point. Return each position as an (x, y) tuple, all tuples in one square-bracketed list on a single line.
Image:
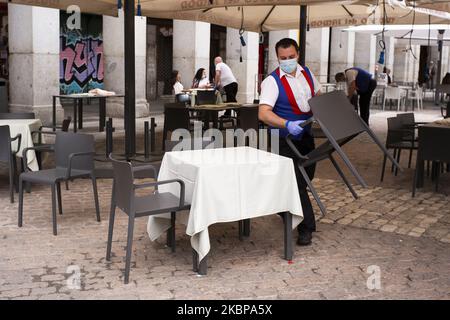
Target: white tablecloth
[(24, 127), (225, 185)]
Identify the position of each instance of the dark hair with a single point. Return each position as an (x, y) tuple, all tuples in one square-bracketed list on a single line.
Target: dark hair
[(286, 43), (173, 79), (340, 77), (198, 77)]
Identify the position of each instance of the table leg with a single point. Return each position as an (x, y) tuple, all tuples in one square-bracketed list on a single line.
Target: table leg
[(54, 113), (288, 236), (102, 115), (203, 266), (247, 228), (420, 173), (80, 114), (199, 267), (75, 115)]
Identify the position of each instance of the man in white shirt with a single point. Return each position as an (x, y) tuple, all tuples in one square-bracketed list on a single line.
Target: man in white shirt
[(284, 106), (225, 79)]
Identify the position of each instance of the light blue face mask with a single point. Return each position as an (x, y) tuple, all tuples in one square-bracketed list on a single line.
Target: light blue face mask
[(288, 66)]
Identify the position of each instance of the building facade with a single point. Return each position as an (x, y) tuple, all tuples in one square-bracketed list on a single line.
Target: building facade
[(42, 54)]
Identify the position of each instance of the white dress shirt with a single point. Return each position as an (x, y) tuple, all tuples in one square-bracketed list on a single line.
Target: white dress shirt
[(298, 84), (178, 88)]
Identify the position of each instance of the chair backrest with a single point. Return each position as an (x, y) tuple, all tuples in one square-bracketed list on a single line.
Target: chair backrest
[(205, 97), (69, 142), (395, 133), (248, 118), (18, 115), (66, 124), (336, 114), (176, 117), (123, 184), (407, 119), (434, 143), (5, 143), (392, 93)]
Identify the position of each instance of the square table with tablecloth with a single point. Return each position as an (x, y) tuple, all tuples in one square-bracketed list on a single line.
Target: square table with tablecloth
[(24, 127), (225, 185)]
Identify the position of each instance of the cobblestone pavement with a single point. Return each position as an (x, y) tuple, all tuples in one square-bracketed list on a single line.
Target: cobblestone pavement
[(407, 239)]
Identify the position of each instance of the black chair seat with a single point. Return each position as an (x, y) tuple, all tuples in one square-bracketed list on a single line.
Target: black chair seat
[(50, 176), (158, 203)]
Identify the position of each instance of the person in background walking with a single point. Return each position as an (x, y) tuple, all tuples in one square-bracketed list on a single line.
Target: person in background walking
[(225, 79)]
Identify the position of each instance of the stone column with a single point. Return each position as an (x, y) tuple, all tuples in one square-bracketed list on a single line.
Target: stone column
[(343, 50), (246, 72), (317, 42), (191, 45), (274, 37), (365, 51), (113, 48), (33, 60), (151, 63)]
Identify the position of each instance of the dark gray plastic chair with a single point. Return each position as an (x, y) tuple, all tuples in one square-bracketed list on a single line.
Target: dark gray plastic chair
[(340, 124), (74, 157), (17, 115), (8, 156), (124, 196), (434, 145)]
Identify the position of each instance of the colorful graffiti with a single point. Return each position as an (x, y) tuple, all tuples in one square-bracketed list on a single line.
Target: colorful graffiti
[(81, 59)]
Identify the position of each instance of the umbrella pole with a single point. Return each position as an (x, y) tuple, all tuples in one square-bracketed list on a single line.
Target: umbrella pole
[(130, 79), (302, 30)]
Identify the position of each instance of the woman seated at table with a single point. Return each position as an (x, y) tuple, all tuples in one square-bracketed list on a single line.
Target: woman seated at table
[(201, 80), (178, 89)]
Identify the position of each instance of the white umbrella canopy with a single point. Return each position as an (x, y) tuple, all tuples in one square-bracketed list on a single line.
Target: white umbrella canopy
[(260, 15)]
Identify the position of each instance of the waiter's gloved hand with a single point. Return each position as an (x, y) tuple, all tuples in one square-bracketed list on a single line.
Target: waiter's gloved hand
[(294, 127)]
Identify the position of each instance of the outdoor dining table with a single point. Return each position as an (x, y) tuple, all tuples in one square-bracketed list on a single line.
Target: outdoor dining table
[(78, 108), (24, 127), (214, 109), (226, 185)]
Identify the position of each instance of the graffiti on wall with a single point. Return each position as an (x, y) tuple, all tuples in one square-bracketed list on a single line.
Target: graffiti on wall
[(81, 58)]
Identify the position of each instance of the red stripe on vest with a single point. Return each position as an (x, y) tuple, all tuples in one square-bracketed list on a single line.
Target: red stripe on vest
[(290, 94), (310, 82)]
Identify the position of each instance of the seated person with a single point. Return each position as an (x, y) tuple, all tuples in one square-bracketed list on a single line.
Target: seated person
[(176, 82), (201, 80)]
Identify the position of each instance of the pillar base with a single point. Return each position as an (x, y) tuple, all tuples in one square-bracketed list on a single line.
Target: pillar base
[(43, 112), (115, 108)]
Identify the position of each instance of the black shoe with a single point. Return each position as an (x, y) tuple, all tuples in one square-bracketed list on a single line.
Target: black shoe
[(304, 238)]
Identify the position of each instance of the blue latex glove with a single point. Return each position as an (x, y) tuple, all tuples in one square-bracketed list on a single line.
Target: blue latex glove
[(294, 127)]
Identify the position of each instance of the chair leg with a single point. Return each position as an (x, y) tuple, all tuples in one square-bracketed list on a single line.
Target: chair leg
[(97, 207), (20, 217), (112, 215), (172, 230), (410, 158), (383, 168), (67, 184), (247, 227), (58, 189), (11, 182), (129, 247), (55, 231), (395, 157), (16, 174), (313, 190), (241, 230), (398, 160), (344, 178), (438, 173)]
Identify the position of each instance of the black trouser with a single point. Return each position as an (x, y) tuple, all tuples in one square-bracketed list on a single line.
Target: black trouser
[(305, 146), (364, 101), (231, 92)]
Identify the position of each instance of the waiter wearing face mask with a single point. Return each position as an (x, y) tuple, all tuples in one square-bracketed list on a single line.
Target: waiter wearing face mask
[(283, 107)]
